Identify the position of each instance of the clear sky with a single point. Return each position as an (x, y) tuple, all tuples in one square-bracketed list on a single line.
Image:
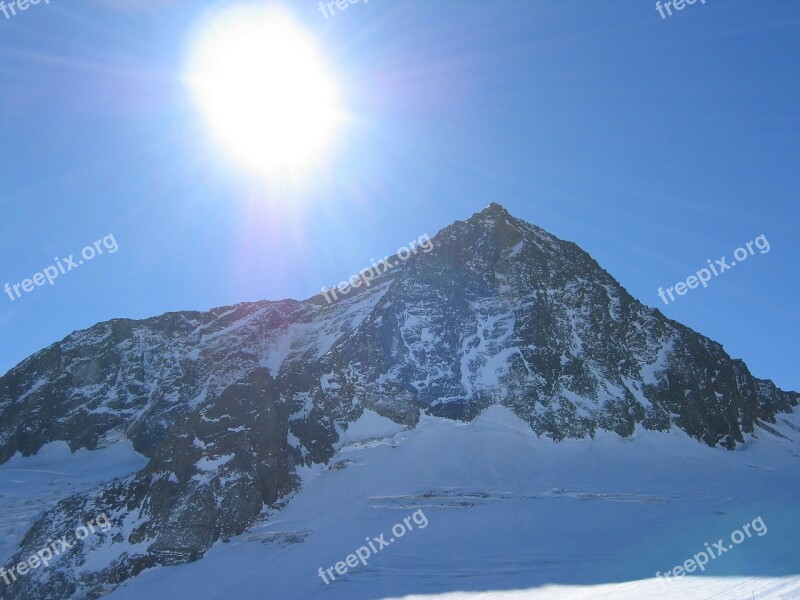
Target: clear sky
[(652, 143)]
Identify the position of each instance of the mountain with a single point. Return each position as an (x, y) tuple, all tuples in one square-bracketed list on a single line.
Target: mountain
[(230, 405)]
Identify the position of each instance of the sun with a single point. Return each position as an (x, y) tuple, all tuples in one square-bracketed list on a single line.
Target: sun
[(260, 84)]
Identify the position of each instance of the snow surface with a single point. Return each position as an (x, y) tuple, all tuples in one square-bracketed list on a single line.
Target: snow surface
[(514, 516), (368, 426)]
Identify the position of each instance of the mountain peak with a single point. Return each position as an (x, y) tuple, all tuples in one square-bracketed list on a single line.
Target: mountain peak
[(495, 220), (495, 210)]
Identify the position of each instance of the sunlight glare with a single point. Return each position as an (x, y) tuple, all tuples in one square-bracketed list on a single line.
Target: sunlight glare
[(261, 86)]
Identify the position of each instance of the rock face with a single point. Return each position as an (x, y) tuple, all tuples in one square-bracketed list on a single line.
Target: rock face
[(227, 403)]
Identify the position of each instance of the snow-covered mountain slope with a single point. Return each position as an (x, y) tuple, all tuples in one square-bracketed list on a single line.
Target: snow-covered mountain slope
[(508, 511), (232, 405), (31, 485)]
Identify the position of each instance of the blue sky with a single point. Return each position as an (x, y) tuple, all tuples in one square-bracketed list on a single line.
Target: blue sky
[(654, 144)]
